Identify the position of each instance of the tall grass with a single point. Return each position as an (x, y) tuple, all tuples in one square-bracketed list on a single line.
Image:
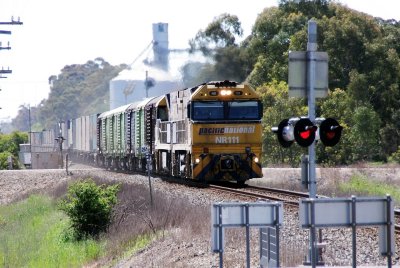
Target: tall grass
[(33, 234), (360, 184)]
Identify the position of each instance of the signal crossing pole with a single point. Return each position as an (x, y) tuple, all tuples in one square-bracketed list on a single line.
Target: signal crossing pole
[(308, 78), (311, 48)]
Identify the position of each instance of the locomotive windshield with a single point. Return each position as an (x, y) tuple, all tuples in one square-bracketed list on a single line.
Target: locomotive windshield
[(243, 110), (208, 110), (226, 110)]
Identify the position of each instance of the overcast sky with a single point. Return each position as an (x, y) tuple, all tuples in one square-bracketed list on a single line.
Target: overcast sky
[(59, 33)]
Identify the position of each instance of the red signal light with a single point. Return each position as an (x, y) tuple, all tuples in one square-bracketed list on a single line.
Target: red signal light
[(330, 135), (304, 132)]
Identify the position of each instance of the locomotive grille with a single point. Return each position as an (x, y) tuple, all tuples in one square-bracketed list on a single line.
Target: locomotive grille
[(227, 163)]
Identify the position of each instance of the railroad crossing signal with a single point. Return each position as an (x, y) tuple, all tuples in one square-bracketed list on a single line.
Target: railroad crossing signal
[(304, 132), (329, 131)]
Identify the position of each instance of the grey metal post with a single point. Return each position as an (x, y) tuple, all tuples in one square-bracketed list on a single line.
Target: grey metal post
[(388, 229), (247, 236), (313, 236), (311, 48), (10, 162), (277, 236), (353, 227), (269, 244), (66, 163), (148, 163), (221, 251)]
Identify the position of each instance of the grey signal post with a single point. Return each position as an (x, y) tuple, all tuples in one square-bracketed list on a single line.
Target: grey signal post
[(311, 48), (308, 77)]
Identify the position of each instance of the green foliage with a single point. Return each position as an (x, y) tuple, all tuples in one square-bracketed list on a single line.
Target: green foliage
[(364, 134), (4, 161), (218, 42), (89, 207), (221, 32), (31, 235), (11, 142), (363, 61), (395, 157), (9, 146)]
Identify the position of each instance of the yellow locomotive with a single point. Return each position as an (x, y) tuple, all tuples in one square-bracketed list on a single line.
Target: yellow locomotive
[(209, 133)]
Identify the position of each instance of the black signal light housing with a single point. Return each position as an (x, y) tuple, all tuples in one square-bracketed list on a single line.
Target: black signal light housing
[(330, 132), (285, 133), (304, 132)]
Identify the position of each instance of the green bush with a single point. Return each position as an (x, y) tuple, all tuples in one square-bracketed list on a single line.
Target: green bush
[(89, 207), (4, 161), (395, 157)]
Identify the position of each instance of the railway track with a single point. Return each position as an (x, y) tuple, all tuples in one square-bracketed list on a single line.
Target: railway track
[(288, 197)]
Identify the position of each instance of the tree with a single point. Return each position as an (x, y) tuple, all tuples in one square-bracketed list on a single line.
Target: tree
[(218, 42), (9, 146), (221, 32), (363, 60), (364, 134)]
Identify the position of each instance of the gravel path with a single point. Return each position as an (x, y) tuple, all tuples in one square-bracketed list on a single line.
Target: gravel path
[(181, 248)]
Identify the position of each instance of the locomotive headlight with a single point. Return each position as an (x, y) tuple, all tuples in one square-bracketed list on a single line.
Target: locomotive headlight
[(226, 92), (256, 159), (197, 160)]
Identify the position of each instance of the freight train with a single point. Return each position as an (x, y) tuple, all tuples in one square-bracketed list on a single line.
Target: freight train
[(210, 132)]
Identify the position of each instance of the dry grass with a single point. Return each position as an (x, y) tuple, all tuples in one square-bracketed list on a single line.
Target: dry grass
[(134, 215), (135, 218)]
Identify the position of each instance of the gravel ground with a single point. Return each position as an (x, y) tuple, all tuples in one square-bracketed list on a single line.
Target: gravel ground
[(179, 248)]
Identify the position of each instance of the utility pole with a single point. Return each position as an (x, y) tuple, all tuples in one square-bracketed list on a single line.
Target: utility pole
[(12, 22), (60, 139)]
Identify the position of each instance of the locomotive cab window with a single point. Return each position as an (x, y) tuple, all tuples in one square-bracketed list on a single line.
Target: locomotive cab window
[(208, 110), (243, 110)]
